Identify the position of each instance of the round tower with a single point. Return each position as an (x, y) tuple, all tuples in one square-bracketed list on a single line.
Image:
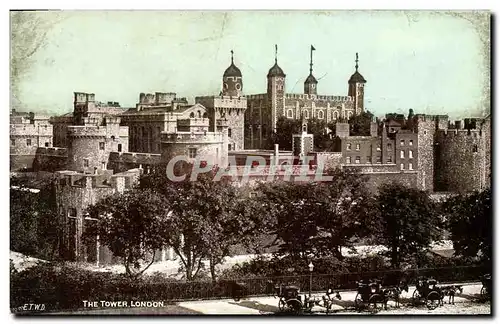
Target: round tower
[(356, 89), (232, 80)]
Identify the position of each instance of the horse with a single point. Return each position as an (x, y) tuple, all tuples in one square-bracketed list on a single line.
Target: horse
[(394, 293), (450, 291)]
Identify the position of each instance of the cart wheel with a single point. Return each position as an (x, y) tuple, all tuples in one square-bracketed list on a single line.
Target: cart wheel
[(375, 303), (358, 301), (433, 300), (294, 306), (416, 297), (281, 304)]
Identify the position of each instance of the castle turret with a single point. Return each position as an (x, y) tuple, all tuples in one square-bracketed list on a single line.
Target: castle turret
[(276, 91), (310, 85), (356, 89), (232, 80)]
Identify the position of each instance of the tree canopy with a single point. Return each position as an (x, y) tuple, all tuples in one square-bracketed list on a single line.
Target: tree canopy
[(470, 223), (405, 221), (133, 225)]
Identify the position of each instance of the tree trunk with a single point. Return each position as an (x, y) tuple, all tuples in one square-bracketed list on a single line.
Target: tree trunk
[(394, 255), (212, 269)]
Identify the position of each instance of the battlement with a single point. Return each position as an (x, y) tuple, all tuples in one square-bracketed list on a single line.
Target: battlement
[(93, 131), (83, 97), (132, 157), (27, 129), (193, 137), (222, 101), (52, 151), (105, 179)]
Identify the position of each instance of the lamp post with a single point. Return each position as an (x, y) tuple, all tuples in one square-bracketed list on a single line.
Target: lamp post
[(311, 268)]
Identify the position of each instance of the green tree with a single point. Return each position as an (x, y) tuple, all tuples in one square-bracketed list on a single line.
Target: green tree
[(359, 125), (470, 223), (208, 218), (406, 222), (317, 219), (133, 225), (286, 128)]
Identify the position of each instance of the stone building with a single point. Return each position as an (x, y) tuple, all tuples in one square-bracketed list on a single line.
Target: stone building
[(264, 109), (28, 132)]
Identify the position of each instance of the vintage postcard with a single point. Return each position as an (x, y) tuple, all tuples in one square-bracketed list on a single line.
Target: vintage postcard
[(250, 163)]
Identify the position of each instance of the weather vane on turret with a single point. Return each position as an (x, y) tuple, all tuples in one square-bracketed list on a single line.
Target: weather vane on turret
[(311, 64), (357, 62), (276, 53), (232, 62)]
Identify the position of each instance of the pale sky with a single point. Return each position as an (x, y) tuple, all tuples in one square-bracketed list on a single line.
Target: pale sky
[(435, 63)]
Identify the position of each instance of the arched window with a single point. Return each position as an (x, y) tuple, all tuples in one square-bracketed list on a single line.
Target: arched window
[(349, 114), (321, 114), (289, 113), (306, 114), (191, 115), (205, 115), (335, 115), (199, 114)]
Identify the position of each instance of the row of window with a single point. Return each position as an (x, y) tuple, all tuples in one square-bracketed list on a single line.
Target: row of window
[(389, 146), (321, 114), (379, 160), (28, 142)]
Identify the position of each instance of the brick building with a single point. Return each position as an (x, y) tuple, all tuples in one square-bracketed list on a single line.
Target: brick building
[(264, 109)]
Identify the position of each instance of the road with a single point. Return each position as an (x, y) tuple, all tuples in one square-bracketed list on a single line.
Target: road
[(465, 303)]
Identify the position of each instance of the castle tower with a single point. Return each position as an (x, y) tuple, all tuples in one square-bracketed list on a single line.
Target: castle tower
[(276, 91), (356, 89), (232, 81), (310, 85)]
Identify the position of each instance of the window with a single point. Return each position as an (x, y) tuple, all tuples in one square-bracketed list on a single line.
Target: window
[(348, 147), (192, 152), (101, 146), (335, 115), (402, 154), (289, 113), (357, 147), (358, 159), (368, 159), (389, 147), (46, 144), (474, 148), (389, 159), (113, 138), (402, 166), (320, 114), (410, 143), (378, 147), (119, 147), (379, 159), (85, 163), (103, 165), (12, 142), (229, 133), (410, 154), (28, 141), (402, 142), (410, 166), (348, 159), (306, 114)]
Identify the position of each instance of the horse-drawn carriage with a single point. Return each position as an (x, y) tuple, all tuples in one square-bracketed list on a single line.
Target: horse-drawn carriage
[(428, 292), (291, 301), (372, 295)]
